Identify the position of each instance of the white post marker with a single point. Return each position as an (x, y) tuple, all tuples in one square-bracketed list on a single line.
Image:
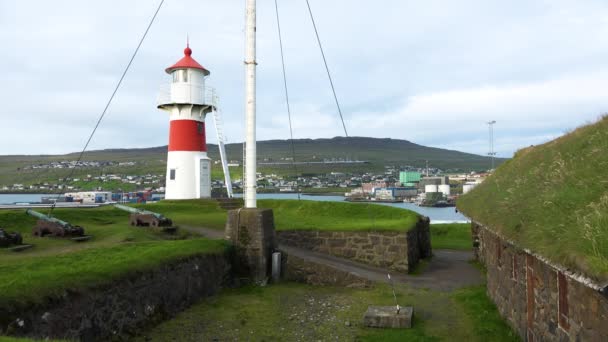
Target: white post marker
[(250, 63), (394, 295)]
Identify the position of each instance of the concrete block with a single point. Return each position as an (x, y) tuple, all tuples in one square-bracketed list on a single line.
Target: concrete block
[(387, 317)]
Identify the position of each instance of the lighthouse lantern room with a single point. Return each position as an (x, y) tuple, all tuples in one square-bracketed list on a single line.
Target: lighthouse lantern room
[(188, 101)]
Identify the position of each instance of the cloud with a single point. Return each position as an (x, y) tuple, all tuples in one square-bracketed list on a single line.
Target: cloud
[(432, 72)]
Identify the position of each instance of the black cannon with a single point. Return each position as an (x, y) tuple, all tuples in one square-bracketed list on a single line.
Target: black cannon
[(50, 226), (145, 218), (10, 239)]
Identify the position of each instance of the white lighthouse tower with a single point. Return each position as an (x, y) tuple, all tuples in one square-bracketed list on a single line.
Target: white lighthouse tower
[(187, 101)]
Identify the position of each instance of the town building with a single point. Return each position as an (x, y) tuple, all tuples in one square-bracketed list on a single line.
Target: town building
[(409, 177)]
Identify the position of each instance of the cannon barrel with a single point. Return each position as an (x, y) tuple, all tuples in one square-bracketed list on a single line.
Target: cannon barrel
[(139, 211), (50, 226), (129, 209), (47, 218)]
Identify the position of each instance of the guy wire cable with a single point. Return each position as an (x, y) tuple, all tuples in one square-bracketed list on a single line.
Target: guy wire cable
[(293, 150), (103, 113)]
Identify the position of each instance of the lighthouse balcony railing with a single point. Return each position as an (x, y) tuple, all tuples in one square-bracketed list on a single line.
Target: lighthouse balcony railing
[(172, 93)]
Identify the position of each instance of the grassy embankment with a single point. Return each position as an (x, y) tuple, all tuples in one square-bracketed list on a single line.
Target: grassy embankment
[(309, 215), (451, 236), (552, 199), (116, 249), (294, 214), (292, 312)]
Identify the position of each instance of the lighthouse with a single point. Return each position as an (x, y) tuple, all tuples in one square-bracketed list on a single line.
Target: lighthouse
[(187, 101)]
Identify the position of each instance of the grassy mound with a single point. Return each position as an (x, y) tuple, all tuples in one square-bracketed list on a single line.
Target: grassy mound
[(116, 249), (338, 216), (31, 279), (202, 213), (451, 236), (553, 199), (294, 214)]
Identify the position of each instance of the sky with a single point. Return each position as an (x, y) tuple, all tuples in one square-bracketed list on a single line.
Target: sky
[(431, 72)]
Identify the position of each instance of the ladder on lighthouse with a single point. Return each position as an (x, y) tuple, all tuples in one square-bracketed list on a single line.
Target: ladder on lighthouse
[(219, 130)]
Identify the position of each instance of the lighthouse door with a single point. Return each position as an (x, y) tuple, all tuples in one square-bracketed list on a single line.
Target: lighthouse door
[(205, 190)]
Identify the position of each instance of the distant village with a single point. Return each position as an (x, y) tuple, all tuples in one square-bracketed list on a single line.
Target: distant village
[(81, 164), (397, 183)]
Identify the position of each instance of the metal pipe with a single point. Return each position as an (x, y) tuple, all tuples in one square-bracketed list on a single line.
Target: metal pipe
[(276, 266), (250, 97)]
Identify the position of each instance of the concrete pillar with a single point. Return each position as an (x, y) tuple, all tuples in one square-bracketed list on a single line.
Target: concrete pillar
[(251, 231)]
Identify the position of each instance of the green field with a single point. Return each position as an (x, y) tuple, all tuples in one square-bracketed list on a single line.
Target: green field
[(553, 200), (451, 236), (296, 312), (116, 249), (294, 214), (275, 313)]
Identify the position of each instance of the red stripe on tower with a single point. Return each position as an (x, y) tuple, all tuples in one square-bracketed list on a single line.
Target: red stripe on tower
[(187, 135)]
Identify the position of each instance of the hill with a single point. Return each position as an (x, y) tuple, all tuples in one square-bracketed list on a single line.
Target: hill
[(553, 200), (378, 152)]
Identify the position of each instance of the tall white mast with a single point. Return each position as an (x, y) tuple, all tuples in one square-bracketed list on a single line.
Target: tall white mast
[(250, 145)]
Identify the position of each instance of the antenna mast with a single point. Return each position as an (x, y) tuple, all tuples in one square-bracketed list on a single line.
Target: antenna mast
[(491, 153), (250, 144)]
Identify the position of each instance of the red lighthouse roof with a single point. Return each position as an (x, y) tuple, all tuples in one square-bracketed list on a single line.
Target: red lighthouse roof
[(187, 62)]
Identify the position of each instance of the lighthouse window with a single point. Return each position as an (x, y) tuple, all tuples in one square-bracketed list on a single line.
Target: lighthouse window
[(172, 174), (180, 76)]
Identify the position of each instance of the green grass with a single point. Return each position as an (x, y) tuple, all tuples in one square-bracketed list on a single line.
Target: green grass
[(116, 249), (289, 312), (107, 185), (478, 308), (200, 213), (32, 279), (294, 214), (451, 236), (337, 216), (553, 200), (18, 339)]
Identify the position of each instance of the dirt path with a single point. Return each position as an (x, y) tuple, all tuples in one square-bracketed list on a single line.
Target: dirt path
[(446, 271)]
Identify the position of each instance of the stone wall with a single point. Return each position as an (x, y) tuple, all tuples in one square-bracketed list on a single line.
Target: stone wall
[(398, 251), (123, 307), (542, 302)]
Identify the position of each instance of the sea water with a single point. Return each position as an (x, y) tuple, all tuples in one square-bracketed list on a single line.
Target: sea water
[(437, 215)]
